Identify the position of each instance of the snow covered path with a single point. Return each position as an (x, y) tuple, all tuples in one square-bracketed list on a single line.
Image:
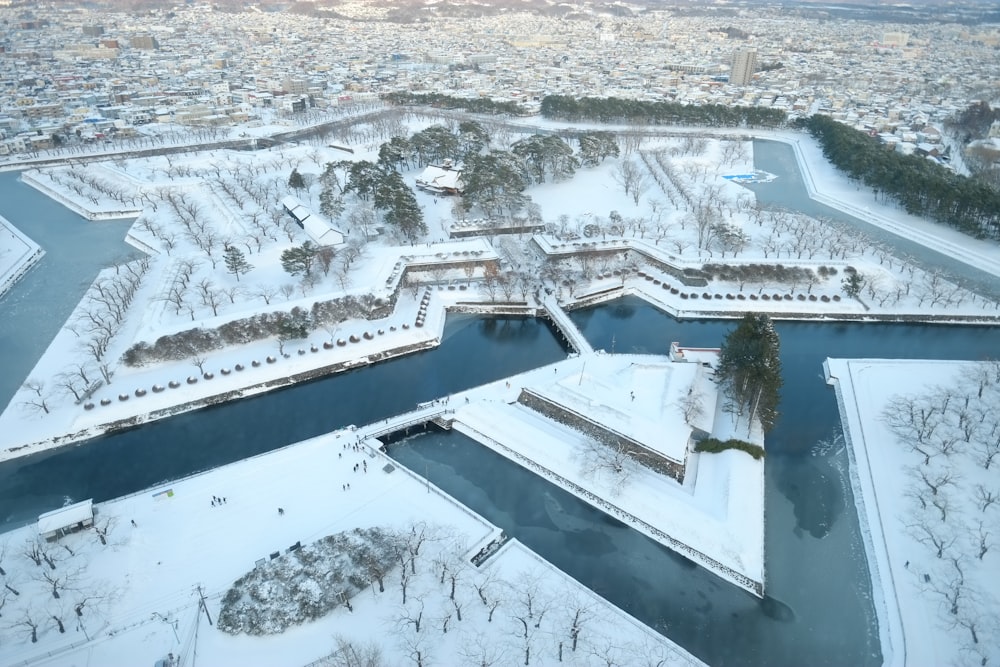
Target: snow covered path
[(566, 326)]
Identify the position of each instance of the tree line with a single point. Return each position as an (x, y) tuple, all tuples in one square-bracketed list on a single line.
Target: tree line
[(608, 110), (642, 112), (922, 187), (472, 105)]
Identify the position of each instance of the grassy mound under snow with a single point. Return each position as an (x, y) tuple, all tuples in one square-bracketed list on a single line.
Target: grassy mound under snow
[(309, 582)]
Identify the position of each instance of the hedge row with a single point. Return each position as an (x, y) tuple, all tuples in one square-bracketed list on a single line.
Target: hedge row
[(192, 342), (714, 445)]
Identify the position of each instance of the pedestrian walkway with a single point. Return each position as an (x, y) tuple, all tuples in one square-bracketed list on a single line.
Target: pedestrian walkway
[(565, 325), (424, 413)]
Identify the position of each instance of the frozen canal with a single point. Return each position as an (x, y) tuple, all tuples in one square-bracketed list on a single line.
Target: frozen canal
[(38, 305)]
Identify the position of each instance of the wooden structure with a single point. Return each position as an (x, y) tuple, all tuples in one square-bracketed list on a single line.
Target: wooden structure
[(70, 519)]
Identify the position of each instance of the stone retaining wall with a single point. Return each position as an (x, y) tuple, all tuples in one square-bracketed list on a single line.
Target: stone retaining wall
[(634, 449)]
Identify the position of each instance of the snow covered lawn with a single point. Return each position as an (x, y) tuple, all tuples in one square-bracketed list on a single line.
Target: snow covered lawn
[(931, 534), (139, 595)]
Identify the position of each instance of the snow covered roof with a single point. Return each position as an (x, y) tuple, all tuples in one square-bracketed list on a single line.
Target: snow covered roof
[(64, 517), (318, 228), (320, 231), (441, 179), (295, 208)]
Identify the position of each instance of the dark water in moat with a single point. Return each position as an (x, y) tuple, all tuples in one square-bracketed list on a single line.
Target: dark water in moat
[(474, 351), (75, 251), (789, 192), (816, 566)]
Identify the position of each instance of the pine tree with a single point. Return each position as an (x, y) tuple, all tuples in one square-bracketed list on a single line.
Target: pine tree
[(296, 181), (852, 284), (750, 370), (330, 204), (595, 146), (236, 262), (299, 259)]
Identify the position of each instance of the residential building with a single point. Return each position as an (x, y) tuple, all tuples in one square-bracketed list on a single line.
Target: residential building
[(744, 63)]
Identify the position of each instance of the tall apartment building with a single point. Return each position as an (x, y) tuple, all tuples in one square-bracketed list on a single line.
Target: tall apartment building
[(744, 62)]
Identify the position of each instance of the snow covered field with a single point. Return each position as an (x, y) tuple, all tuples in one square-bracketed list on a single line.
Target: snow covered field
[(140, 592), (925, 449)]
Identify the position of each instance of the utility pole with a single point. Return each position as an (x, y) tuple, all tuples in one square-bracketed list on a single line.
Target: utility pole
[(204, 606)]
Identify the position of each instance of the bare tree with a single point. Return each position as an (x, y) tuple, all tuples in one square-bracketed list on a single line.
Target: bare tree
[(266, 292), (982, 540), (611, 653), (933, 478), (410, 616), (176, 295), (70, 384), (199, 362), (103, 528), (913, 421), (210, 297), (416, 646), (943, 503), (986, 497), (692, 405), (231, 292), (324, 258), (630, 177), (34, 551), (578, 611), (61, 581), (939, 537), (482, 650), (608, 462), (38, 402), (349, 654), (29, 619)]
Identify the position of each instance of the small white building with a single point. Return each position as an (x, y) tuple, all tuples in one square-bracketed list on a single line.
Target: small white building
[(70, 519), (318, 228)]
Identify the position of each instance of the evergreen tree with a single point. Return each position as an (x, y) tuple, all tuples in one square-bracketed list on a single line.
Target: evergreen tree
[(394, 152), (329, 178), (472, 138), (434, 144), (292, 326), (398, 202), (296, 181), (495, 182), (236, 262), (852, 284), (595, 146), (363, 177), (299, 259), (750, 370), (330, 203)]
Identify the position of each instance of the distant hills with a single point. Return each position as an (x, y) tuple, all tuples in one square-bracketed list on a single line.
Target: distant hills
[(912, 11)]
